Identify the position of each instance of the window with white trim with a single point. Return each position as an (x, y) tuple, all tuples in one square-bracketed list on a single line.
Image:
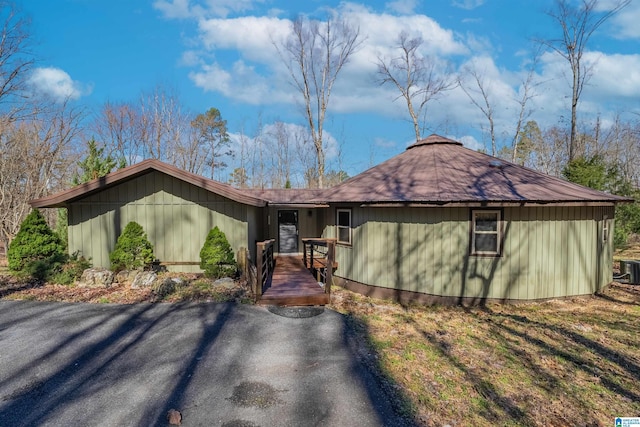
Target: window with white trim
[(343, 226), (486, 232)]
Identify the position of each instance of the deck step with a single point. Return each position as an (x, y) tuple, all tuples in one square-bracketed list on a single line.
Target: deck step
[(293, 284), (299, 300)]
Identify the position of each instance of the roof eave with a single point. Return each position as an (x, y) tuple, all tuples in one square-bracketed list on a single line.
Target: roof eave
[(486, 204), (63, 198)]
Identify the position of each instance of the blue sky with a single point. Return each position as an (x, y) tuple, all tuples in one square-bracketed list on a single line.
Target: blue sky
[(219, 53)]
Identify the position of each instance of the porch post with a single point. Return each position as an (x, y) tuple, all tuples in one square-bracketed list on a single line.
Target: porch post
[(331, 251), (259, 267)]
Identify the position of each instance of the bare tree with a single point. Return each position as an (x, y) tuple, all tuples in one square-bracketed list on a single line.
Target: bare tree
[(621, 142), (158, 127), (162, 125), (315, 53), (479, 92), (550, 154), (307, 173), (482, 102), (258, 155), (211, 133), (527, 92), (577, 25), (15, 59), (279, 140), (417, 77), (37, 156), (115, 125)]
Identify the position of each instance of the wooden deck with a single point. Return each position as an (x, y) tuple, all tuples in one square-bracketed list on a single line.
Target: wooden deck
[(293, 284)]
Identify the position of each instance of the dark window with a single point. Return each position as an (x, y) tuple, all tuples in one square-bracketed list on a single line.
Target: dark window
[(343, 225), (486, 233)]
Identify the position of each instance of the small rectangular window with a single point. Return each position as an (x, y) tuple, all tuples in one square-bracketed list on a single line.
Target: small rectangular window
[(605, 229), (343, 226), (485, 233)]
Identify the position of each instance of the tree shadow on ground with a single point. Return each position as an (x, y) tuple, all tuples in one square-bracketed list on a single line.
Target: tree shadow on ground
[(503, 408), (119, 364), (379, 384), (40, 399)]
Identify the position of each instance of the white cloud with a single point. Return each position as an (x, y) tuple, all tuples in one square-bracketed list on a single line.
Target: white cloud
[(403, 7), (241, 83), (256, 75), (183, 9), (252, 36), (225, 7), (190, 58), (385, 143), (469, 142), (264, 78), (625, 23), (614, 76), (57, 84), (467, 4), (174, 9)]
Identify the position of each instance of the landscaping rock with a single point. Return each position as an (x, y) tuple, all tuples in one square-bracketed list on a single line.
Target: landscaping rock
[(126, 277), (96, 278), (168, 286), (144, 279), (225, 282)]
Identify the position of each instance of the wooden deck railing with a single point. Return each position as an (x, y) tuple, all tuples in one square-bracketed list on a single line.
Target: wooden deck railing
[(264, 266), (319, 256)]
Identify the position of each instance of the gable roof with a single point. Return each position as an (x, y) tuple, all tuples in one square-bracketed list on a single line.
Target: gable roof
[(139, 169), (438, 170)]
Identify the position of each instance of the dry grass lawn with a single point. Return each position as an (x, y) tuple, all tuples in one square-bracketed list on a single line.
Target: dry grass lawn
[(195, 288), (573, 362)]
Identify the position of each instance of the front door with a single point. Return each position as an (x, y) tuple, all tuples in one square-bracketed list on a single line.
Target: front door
[(288, 232)]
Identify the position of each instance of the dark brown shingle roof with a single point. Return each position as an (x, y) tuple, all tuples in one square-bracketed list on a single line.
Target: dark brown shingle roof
[(287, 196), (144, 167), (439, 170), (435, 170)]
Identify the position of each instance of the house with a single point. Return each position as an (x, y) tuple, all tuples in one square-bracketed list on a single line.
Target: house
[(436, 223)]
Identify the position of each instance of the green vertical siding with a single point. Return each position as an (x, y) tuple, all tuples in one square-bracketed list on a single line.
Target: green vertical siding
[(547, 252), (176, 216), (255, 228)]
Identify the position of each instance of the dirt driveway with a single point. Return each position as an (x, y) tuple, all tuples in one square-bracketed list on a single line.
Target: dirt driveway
[(219, 364)]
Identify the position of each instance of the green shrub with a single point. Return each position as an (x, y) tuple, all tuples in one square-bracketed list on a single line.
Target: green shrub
[(71, 270), (133, 250), (36, 250), (216, 255)]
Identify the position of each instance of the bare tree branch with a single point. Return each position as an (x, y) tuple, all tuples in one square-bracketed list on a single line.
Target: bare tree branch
[(577, 25), (416, 77), (314, 54), (15, 60)]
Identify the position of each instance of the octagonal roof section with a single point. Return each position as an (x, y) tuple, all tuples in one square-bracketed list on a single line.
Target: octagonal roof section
[(438, 170)]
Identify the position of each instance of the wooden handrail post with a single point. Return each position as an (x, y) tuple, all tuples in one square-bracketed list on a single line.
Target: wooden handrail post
[(304, 252), (259, 262), (331, 251), (265, 264)]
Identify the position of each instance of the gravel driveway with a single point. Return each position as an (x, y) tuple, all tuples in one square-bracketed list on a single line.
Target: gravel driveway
[(218, 364)]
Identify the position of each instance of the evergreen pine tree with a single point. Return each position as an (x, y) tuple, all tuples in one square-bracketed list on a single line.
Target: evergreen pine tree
[(133, 249), (216, 255), (36, 250)]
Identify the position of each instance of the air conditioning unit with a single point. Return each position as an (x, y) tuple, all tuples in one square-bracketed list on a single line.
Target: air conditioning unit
[(630, 270)]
